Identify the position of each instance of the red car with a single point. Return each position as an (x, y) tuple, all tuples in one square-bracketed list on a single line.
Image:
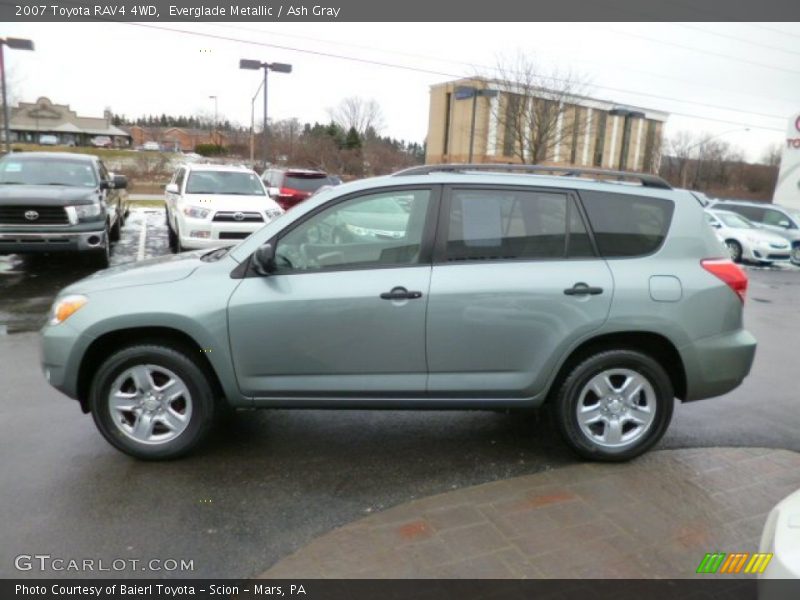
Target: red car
[(289, 187)]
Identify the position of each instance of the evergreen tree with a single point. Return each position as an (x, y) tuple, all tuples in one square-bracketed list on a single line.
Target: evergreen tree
[(352, 141)]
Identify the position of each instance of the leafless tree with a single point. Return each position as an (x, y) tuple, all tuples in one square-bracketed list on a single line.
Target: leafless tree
[(364, 115), (772, 155), (538, 108)]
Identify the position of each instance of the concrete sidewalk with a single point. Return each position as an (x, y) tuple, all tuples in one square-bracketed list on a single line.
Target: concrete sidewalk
[(655, 517)]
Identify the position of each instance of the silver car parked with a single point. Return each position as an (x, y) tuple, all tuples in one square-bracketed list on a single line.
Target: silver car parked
[(480, 289)]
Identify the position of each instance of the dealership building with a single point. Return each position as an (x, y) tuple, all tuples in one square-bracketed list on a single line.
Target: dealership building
[(31, 120), (587, 132)]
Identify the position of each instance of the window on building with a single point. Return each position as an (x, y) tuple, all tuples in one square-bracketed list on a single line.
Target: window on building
[(649, 146), (511, 120), (448, 102), (577, 126), (600, 139)]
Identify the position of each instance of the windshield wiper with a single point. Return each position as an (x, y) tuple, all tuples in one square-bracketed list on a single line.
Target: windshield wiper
[(56, 183), (12, 183)]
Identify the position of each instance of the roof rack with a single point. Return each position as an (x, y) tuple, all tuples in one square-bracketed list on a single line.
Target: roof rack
[(647, 180)]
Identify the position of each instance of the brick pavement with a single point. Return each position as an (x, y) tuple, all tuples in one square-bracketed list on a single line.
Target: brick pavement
[(653, 517)]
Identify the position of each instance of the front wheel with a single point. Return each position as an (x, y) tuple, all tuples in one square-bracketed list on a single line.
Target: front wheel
[(152, 402), (735, 250), (796, 254), (614, 405)]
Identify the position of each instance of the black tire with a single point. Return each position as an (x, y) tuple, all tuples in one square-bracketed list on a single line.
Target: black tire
[(735, 249), (116, 231), (203, 402), (172, 237), (568, 396), (100, 258)]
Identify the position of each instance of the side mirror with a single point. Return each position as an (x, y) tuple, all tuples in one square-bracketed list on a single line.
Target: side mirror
[(273, 192), (120, 182), (172, 188), (716, 226), (264, 259)]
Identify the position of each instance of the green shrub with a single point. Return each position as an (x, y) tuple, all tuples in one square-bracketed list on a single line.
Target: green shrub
[(210, 150)]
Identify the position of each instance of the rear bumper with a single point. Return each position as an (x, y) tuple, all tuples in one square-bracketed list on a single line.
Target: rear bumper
[(27, 242), (718, 364)]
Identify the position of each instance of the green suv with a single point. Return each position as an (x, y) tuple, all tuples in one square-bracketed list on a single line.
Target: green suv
[(603, 294)]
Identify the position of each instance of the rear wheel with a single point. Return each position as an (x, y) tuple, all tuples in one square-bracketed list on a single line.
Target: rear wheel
[(614, 405), (152, 402)]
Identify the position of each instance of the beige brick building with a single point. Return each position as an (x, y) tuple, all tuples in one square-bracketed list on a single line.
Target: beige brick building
[(608, 135)]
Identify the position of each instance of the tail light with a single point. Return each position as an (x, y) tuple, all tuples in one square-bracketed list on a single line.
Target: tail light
[(728, 272)]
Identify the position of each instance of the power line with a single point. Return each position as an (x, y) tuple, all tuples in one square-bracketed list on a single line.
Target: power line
[(488, 68), (446, 74), (737, 38), (709, 52), (775, 30)]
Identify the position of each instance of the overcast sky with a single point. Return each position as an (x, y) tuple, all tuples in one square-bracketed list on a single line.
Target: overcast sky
[(688, 70)]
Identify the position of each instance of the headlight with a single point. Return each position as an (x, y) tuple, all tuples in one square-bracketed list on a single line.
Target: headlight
[(273, 213), (65, 307), (195, 212), (87, 212), (356, 230)]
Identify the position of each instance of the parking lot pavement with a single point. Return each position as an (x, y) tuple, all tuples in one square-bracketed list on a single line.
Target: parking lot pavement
[(270, 482), (582, 521)]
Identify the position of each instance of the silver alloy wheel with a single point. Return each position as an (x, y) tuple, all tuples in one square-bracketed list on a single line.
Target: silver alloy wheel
[(735, 250), (616, 408), (150, 404)]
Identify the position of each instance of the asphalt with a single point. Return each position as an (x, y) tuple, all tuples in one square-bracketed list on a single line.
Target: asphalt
[(271, 481)]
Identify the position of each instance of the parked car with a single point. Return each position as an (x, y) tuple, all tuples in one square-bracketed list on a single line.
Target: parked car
[(780, 543), (48, 140), (497, 290), (213, 205), (151, 146), (778, 219), (101, 141), (745, 241), (56, 202), (289, 187)]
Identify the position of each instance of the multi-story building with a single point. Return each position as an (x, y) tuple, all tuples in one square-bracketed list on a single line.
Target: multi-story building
[(509, 125)]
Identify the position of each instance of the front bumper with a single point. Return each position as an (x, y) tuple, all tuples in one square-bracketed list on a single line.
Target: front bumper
[(28, 242), (61, 350), (718, 364), (220, 233)]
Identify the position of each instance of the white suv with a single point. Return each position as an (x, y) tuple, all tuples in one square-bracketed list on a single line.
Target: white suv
[(214, 205)]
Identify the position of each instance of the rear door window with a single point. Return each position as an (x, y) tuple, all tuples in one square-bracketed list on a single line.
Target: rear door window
[(625, 224), (508, 224)]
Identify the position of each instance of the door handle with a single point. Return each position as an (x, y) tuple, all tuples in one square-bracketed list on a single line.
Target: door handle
[(581, 289), (400, 293)]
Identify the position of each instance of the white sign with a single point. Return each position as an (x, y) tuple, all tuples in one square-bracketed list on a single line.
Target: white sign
[(787, 191)]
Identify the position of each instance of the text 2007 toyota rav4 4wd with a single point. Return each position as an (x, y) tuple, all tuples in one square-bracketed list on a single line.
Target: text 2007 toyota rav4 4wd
[(447, 286)]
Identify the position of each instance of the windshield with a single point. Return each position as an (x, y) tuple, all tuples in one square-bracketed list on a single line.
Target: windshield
[(734, 221), (236, 183), (17, 170), (306, 183)]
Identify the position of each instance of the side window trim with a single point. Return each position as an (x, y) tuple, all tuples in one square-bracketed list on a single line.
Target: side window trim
[(426, 243), (442, 231)]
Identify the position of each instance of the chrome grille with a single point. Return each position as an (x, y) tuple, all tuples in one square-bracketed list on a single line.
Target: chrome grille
[(246, 217)]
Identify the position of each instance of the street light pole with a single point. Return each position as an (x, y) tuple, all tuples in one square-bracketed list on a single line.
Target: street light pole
[(280, 68), (253, 123), (18, 44)]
